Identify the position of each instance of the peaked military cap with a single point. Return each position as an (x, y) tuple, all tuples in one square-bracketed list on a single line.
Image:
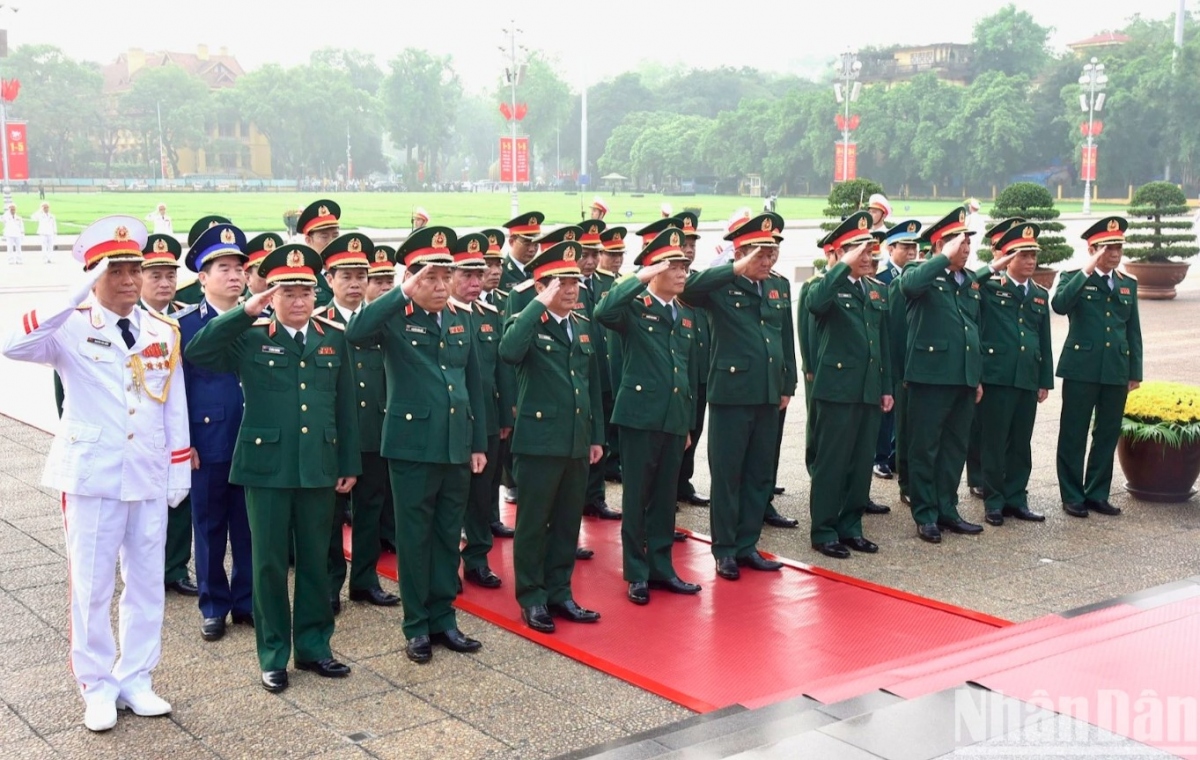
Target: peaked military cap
[(259, 246), (318, 215), (383, 262), (650, 231), (997, 231), (759, 230), (292, 264), (161, 251), (592, 228), (495, 238), (428, 246), (202, 224), (527, 225), (689, 223), (1110, 229), (664, 247), (853, 230), (904, 232), (469, 251), (559, 260), (117, 238), (561, 234), (949, 225), (352, 250), (613, 239), (1020, 237), (215, 242)]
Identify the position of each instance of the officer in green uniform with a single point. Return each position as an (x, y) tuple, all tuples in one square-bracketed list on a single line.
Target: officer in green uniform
[(492, 295), (1018, 371), (851, 387), (607, 271), (192, 293), (558, 432), (902, 245), (466, 285), (1099, 364), (943, 368), (347, 261), (434, 435), (685, 491), (381, 278), (257, 249), (753, 375), (521, 247), (806, 336), (320, 223), (655, 408), (297, 447)]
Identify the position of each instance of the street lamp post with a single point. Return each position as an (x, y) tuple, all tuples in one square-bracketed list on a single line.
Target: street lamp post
[(846, 92), (1091, 101), (513, 73)]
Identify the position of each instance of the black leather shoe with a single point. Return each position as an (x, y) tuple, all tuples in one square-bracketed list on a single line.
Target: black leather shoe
[(1075, 510), (882, 471), (456, 641), (961, 527), (779, 521), (994, 518), (977, 492), (183, 587), (777, 490), (929, 532), (676, 586), (243, 618), (696, 500), (756, 561), (327, 668), (212, 629), (386, 546), (873, 508), (600, 509), (538, 618), (860, 544), (419, 650), (612, 477), (569, 610), (679, 536), (833, 549), (375, 596), (1024, 513), (1103, 507), (500, 530), (639, 592), (727, 568), (582, 552), (482, 576), (335, 604), (274, 681), (905, 500)]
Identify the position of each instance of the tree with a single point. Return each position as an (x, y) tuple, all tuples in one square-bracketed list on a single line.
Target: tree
[(991, 127), (609, 102), (62, 102), (617, 155), (364, 73), (420, 97), (478, 123), (1032, 202), (1158, 239), (708, 92), (181, 99), (666, 151), (1010, 42)]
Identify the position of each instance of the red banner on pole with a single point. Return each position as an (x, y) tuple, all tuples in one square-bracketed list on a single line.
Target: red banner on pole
[(506, 159), (18, 154), (1087, 168), (845, 163), (522, 159)]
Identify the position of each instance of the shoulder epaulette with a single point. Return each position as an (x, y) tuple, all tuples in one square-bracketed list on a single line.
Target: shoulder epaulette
[(1040, 287), (454, 302), (83, 307), (484, 306), (330, 322), (776, 274), (164, 318), (261, 322), (450, 305), (1125, 275), (816, 276), (185, 311), (579, 316), (521, 287), (499, 292), (604, 272)]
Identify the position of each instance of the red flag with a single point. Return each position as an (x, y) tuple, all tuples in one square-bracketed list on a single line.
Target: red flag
[(9, 88), (506, 111), (522, 109)]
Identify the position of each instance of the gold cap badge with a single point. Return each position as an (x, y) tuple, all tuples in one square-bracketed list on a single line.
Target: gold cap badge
[(569, 254), (1114, 225), (227, 236), (295, 259), (862, 223), (160, 246), (493, 240), (912, 226), (269, 244), (439, 240), (675, 238), (322, 211), (355, 246), (1027, 233), (569, 235), (121, 233), (473, 246), (381, 257), (766, 225)]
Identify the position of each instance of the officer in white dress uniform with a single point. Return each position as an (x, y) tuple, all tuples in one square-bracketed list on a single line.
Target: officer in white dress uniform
[(121, 455)]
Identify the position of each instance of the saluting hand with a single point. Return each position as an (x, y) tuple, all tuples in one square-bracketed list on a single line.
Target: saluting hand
[(410, 284), (549, 293), (740, 266), (1001, 264), (646, 274), (855, 255), (1094, 261), (256, 303)]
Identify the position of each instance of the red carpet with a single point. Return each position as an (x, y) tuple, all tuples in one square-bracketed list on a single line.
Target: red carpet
[(764, 638)]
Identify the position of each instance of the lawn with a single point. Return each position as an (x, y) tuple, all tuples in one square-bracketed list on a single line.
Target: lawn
[(257, 212)]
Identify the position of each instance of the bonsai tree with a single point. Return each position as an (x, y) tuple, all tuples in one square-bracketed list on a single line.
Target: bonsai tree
[(1033, 202), (846, 198), (1158, 239)]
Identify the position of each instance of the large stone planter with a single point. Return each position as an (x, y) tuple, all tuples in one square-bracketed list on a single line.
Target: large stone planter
[(1155, 472), (1157, 280)]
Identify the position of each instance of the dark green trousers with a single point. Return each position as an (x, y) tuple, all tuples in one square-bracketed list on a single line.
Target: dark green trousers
[(770, 510), (809, 451), (429, 501), (844, 437), (687, 469), (941, 417), (975, 466), (900, 409), (477, 518), (179, 541), (649, 481), (741, 446), (1006, 416), (504, 477), (336, 556), (272, 512), (1080, 401), (596, 472), (547, 529), (370, 499)]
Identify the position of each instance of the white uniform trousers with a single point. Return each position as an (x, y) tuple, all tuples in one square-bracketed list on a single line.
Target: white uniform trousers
[(98, 532), (14, 249), (47, 246)]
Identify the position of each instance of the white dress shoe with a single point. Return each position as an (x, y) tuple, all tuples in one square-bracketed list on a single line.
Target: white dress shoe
[(146, 703), (100, 716)]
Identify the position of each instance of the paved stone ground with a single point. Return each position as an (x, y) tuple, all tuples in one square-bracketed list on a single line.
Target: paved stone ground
[(516, 699)]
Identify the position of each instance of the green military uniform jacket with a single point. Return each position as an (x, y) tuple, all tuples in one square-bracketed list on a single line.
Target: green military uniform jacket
[(511, 274), (1104, 344), (190, 294), (559, 412), (754, 345), (898, 316), (372, 385), (1015, 334), (659, 379), (496, 379), (806, 327), (943, 325), (610, 350), (852, 364), (436, 410), (300, 427)]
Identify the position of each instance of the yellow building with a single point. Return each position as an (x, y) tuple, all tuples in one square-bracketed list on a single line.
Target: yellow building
[(950, 61), (238, 148)]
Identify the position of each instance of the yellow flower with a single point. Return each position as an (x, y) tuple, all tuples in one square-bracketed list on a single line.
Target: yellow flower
[(1171, 403)]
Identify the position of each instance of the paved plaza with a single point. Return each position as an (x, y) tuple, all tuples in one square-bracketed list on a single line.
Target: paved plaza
[(516, 699)]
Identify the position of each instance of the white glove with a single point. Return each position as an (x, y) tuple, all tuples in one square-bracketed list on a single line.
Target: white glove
[(83, 287), (175, 497)]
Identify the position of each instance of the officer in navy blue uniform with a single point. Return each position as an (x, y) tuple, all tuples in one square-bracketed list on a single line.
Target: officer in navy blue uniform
[(215, 413)]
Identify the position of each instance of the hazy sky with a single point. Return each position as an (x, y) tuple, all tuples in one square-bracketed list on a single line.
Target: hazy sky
[(591, 40)]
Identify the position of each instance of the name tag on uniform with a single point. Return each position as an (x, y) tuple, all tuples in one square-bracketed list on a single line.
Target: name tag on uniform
[(100, 342), (277, 350), (543, 336), (1090, 287), (1003, 294), (326, 351), (651, 317), (845, 295), (415, 329), (940, 279), (735, 292), (456, 329)]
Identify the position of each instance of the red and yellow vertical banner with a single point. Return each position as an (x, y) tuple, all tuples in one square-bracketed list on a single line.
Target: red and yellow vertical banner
[(1087, 167), (18, 151), (509, 156), (845, 161)]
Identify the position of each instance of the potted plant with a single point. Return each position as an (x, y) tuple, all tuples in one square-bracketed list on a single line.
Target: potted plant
[(1034, 203), (1159, 448), (1160, 229), (846, 198)]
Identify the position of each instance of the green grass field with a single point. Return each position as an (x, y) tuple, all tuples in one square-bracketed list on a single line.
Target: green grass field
[(258, 212)]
